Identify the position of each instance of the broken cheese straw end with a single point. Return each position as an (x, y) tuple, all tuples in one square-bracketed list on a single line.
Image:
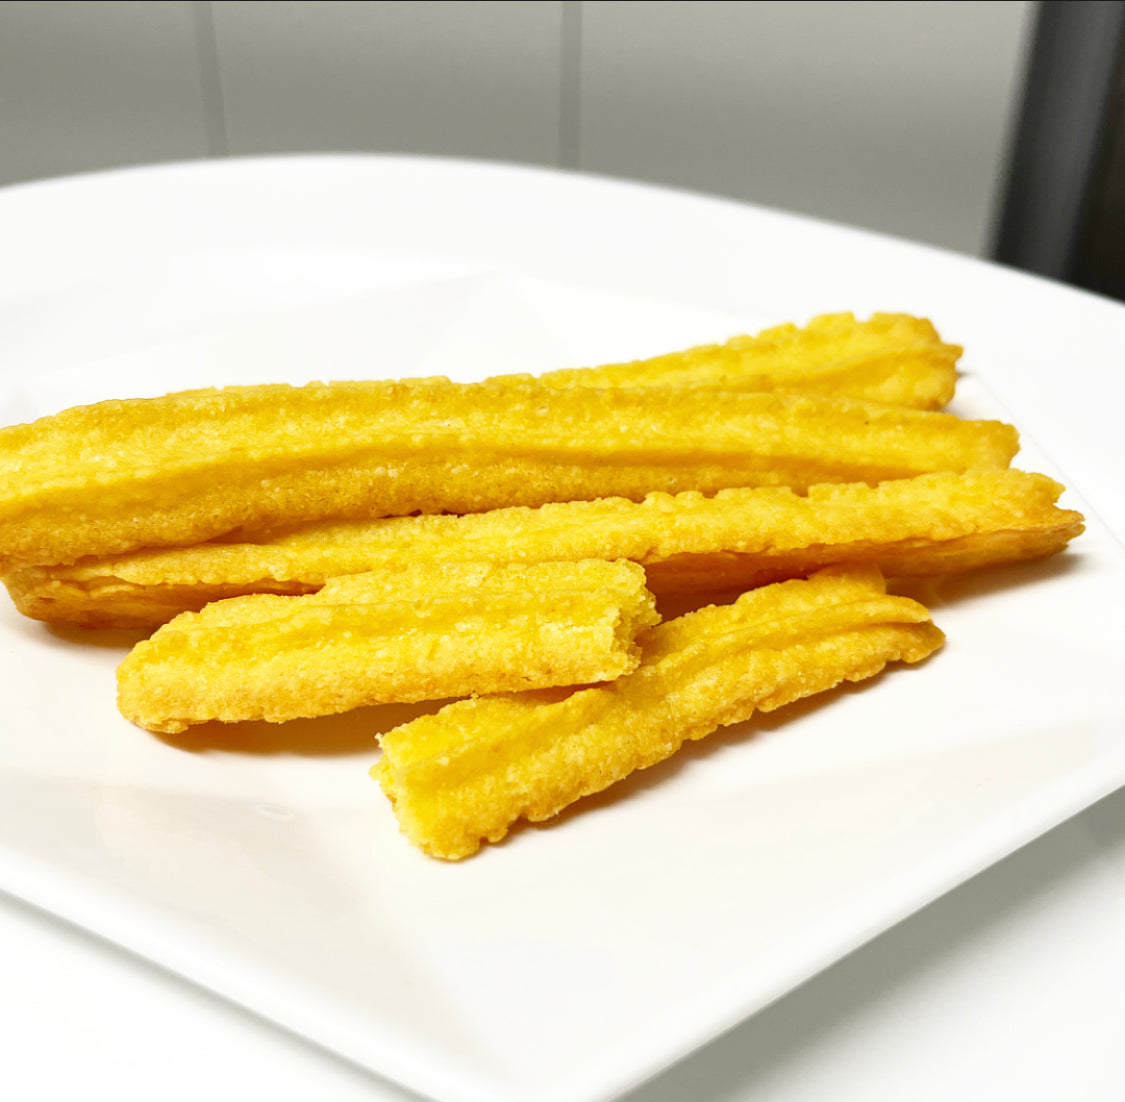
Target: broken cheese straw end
[(464, 775)]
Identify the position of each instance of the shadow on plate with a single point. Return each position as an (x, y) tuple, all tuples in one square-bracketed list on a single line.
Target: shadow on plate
[(325, 736), (726, 738), (948, 589)]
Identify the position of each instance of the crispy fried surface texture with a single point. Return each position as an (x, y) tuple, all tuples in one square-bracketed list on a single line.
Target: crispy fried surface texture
[(120, 475), (466, 774), (932, 524), (892, 358), (418, 634)]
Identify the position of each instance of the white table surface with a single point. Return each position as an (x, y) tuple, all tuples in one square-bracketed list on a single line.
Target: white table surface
[(1011, 986)]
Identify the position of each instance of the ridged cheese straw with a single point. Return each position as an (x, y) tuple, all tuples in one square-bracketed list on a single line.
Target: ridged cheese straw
[(420, 634), (932, 524), (892, 358), (466, 774), (120, 475)]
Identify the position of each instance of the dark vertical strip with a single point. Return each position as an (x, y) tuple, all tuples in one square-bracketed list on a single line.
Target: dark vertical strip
[(210, 79), (1060, 136), (1099, 263), (570, 86)]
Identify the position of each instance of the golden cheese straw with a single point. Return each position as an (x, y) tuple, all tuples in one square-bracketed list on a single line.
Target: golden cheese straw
[(120, 475), (421, 634), (892, 358), (932, 524), (464, 775)]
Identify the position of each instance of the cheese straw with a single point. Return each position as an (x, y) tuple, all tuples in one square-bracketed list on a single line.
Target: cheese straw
[(892, 358), (466, 774), (422, 634), (113, 477), (932, 524)]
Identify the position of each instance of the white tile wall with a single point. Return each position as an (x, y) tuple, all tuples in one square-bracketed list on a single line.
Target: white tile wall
[(469, 79), (890, 116), (887, 115), (94, 85)]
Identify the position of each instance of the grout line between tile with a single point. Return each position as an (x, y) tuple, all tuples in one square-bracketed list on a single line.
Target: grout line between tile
[(570, 86), (210, 79)]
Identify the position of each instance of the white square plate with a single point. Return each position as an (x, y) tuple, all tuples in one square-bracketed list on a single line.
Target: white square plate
[(577, 958)]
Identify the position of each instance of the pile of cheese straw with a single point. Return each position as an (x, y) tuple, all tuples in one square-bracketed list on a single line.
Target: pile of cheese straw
[(302, 551)]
